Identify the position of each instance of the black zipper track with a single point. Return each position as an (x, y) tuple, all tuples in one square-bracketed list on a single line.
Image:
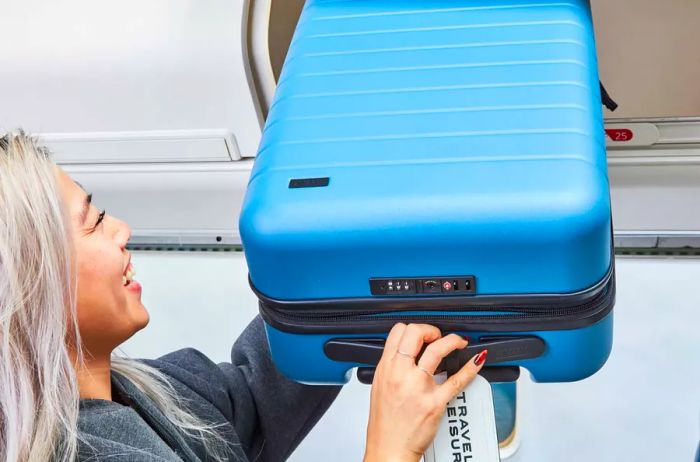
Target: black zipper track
[(524, 317), (514, 312)]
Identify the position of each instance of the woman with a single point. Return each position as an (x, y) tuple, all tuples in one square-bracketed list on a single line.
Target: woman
[(68, 300)]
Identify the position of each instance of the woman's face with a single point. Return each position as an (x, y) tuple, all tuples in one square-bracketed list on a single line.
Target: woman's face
[(109, 312)]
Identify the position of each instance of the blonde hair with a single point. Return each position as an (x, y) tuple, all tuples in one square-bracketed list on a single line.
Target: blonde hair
[(39, 394)]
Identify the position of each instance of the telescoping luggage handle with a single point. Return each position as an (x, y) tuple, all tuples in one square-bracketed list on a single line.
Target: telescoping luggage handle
[(501, 349)]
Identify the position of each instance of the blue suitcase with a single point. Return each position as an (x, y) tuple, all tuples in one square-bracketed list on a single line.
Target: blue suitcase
[(441, 162)]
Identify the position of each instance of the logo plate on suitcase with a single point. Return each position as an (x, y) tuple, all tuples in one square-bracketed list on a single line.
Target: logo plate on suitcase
[(309, 182)]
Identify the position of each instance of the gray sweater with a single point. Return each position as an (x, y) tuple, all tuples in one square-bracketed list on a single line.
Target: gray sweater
[(263, 415)]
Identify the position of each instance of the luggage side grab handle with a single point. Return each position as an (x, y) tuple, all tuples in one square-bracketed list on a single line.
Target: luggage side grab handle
[(501, 349)]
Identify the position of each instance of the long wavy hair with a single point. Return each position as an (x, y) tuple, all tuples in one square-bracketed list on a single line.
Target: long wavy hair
[(39, 396)]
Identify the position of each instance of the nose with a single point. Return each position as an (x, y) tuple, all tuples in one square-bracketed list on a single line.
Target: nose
[(122, 233)]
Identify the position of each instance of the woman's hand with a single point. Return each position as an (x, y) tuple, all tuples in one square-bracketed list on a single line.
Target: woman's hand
[(406, 404)]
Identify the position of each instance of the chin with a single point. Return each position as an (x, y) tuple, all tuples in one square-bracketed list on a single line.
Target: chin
[(142, 318), (138, 317)]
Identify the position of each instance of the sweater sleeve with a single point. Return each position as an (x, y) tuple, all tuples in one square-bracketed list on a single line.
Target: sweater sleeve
[(270, 413)]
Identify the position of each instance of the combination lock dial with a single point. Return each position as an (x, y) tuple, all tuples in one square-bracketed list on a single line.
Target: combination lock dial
[(442, 285)]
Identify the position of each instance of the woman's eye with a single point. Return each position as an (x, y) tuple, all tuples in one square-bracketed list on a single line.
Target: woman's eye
[(100, 218)]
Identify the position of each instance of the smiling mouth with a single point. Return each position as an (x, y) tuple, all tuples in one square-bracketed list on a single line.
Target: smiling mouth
[(128, 275)]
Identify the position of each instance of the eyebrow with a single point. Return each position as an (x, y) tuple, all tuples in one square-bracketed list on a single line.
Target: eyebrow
[(86, 208)]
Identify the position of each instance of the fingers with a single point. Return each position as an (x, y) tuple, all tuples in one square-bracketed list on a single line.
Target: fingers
[(414, 336), (436, 351), (392, 341), (462, 378)]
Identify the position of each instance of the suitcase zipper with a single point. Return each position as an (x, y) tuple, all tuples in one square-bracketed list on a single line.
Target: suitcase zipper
[(592, 309)]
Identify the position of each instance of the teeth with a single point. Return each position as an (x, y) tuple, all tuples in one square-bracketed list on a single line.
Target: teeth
[(129, 276)]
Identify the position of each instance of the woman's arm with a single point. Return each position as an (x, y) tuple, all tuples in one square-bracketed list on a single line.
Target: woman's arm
[(273, 413), (270, 413)]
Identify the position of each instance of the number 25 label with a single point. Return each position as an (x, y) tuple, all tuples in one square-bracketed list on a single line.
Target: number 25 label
[(619, 134)]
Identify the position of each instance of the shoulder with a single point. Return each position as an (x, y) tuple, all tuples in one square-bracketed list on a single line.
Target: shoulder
[(200, 381), (190, 361), (192, 369)]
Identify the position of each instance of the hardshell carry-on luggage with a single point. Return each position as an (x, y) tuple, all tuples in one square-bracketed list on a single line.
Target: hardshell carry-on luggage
[(440, 162)]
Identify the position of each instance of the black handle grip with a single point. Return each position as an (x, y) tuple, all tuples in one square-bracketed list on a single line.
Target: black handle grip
[(501, 349)]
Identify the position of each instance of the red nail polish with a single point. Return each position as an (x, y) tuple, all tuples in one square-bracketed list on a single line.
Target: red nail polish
[(481, 357)]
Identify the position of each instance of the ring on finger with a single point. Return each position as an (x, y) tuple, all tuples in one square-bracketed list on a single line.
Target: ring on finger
[(406, 354)]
